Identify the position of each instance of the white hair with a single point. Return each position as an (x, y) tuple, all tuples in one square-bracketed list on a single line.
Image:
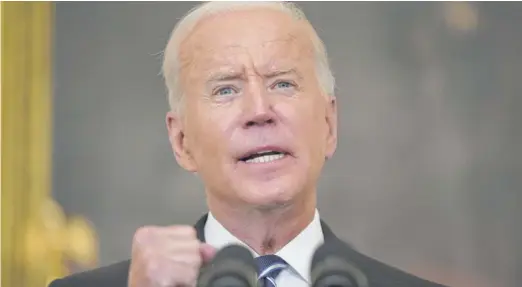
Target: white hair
[(171, 63)]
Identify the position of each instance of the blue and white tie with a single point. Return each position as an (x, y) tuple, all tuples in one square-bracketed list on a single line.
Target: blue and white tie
[(269, 266)]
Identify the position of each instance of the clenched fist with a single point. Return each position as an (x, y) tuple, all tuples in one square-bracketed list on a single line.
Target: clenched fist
[(167, 257)]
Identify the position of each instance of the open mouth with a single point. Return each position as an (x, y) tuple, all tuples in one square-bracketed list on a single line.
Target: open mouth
[(264, 156)]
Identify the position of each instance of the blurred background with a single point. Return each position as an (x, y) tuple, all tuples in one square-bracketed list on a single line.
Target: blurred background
[(427, 176)]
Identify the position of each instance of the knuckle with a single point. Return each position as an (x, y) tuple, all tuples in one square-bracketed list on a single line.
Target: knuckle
[(192, 246), (188, 260), (142, 233), (191, 260), (185, 230)]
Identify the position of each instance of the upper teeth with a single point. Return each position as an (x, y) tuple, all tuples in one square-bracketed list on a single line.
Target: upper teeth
[(265, 158)]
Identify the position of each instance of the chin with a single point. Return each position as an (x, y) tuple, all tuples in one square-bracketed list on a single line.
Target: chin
[(269, 194)]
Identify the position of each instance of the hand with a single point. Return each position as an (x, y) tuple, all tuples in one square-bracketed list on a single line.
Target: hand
[(167, 257)]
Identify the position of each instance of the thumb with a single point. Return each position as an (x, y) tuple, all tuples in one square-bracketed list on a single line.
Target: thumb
[(207, 252)]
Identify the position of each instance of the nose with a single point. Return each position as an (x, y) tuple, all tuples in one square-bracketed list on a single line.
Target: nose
[(258, 108)]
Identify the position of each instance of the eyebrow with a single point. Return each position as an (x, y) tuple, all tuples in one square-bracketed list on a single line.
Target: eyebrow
[(225, 76), (282, 72), (232, 76)]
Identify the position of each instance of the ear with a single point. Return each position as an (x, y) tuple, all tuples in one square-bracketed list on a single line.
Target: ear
[(331, 121), (178, 142)]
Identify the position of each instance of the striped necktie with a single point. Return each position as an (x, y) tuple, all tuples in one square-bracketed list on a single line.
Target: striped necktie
[(269, 266)]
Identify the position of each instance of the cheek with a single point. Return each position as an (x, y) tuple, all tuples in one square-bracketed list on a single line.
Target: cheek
[(308, 117), (313, 127), (207, 135)]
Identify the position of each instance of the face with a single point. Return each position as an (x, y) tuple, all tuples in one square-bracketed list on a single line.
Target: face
[(255, 125)]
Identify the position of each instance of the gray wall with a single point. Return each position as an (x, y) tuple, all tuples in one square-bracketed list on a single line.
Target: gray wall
[(427, 175)]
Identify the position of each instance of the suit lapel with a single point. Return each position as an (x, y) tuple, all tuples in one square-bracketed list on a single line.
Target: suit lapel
[(200, 227), (329, 236)]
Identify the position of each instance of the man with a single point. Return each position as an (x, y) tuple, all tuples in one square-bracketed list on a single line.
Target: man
[(252, 113)]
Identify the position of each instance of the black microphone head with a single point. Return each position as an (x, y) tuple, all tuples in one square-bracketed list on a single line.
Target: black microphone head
[(331, 267), (233, 266)]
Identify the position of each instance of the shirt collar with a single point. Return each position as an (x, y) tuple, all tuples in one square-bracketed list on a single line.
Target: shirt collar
[(297, 253)]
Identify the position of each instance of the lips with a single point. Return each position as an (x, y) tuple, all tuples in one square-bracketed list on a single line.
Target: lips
[(263, 151)]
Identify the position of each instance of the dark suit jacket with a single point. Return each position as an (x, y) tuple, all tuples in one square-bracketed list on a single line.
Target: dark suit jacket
[(379, 274)]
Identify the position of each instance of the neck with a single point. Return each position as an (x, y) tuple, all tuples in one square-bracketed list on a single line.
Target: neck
[(265, 229)]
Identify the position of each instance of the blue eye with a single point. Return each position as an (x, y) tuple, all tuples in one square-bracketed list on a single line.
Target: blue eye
[(225, 91), (283, 85)]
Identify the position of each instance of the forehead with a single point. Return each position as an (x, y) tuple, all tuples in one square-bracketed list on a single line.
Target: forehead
[(262, 37)]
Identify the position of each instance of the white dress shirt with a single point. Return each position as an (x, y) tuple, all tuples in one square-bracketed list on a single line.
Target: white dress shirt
[(297, 253)]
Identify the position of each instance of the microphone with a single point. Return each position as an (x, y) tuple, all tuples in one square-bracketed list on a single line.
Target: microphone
[(233, 266), (331, 267)]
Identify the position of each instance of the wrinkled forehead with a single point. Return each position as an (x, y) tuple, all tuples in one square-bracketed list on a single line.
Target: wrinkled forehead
[(261, 37)]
